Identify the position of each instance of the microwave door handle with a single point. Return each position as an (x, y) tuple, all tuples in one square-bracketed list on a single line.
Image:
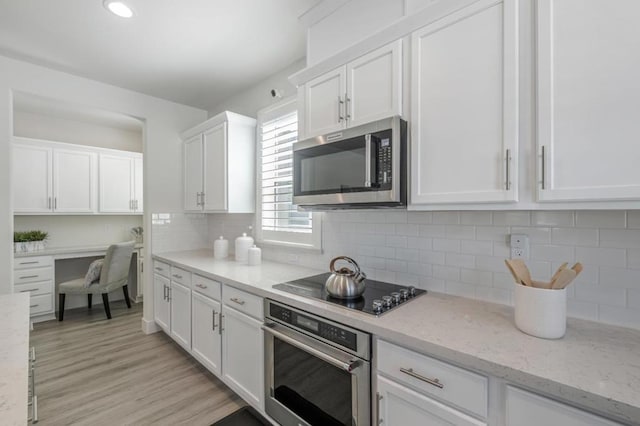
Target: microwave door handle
[(367, 161)]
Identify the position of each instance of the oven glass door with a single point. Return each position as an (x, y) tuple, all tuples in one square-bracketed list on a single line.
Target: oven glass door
[(332, 168), (318, 392)]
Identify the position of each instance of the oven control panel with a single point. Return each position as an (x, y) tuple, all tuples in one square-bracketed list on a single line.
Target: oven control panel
[(313, 325)]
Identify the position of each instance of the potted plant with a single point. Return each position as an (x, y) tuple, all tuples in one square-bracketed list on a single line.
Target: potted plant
[(26, 241)]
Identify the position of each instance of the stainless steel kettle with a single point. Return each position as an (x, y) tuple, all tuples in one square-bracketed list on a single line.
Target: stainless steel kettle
[(345, 283)]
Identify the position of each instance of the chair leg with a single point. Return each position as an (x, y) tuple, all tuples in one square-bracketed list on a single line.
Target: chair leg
[(105, 301), (89, 300), (125, 290), (61, 306)]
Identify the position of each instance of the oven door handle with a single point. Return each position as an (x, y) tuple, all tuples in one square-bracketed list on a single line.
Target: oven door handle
[(347, 365)]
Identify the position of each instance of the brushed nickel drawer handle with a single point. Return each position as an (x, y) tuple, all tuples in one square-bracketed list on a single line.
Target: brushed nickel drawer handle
[(177, 276), (29, 263), (201, 286), (34, 306), (29, 276), (238, 301), (410, 372), (31, 289), (158, 269)]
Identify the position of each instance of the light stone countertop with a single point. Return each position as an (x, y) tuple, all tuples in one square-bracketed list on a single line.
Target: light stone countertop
[(14, 358), (596, 366), (65, 251)]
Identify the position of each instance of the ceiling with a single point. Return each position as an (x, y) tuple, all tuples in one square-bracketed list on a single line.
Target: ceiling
[(194, 52)]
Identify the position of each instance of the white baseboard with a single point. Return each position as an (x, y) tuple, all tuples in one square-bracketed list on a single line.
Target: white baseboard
[(149, 326)]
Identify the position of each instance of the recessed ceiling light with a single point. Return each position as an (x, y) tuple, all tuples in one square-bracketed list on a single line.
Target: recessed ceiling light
[(118, 8)]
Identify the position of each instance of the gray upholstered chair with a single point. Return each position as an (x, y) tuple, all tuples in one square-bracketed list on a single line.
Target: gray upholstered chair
[(114, 275)]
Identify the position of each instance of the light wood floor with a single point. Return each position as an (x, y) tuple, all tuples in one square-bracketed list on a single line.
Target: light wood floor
[(94, 371)]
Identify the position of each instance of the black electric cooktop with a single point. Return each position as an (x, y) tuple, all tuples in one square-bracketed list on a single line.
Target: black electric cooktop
[(378, 297)]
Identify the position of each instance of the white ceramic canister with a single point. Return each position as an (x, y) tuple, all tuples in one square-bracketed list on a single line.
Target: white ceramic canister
[(255, 255), (541, 312), (220, 248), (243, 243)]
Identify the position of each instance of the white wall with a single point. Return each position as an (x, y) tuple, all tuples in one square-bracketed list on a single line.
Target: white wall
[(164, 121), (41, 126), (73, 231)]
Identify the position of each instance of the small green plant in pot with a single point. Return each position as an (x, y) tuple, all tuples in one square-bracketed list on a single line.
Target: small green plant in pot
[(27, 241)]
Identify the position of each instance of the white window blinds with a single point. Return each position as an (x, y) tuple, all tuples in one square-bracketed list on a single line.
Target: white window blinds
[(278, 214)]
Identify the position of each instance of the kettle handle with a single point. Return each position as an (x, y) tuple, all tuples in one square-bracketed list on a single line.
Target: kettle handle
[(348, 259)]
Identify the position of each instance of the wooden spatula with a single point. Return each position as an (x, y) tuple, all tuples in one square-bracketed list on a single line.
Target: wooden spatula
[(577, 267), (515, 276), (520, 271), (563, 279), (553, 278)]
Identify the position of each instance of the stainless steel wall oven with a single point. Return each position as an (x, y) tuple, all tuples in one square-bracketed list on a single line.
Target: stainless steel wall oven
[(317, 371)]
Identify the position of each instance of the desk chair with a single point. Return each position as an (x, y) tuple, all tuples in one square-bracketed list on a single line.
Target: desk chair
[(114, 274)]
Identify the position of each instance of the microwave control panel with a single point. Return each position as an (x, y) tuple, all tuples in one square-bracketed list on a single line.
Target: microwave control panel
[(384, 162)]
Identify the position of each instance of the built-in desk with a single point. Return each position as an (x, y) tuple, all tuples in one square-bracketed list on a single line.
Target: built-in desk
[(40, 271)]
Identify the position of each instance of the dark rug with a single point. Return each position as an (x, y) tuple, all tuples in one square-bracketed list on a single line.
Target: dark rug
[(246, 416)]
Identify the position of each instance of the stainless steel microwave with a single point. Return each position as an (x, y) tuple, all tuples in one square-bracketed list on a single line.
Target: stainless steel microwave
[(359, 167)]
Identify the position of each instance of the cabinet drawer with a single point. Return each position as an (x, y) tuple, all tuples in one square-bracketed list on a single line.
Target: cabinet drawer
[(41, 304), (162, 268), (244, 302), (32, 275), (42, 287), (181, 276), (32, 262), (445, 382), (209, 288)]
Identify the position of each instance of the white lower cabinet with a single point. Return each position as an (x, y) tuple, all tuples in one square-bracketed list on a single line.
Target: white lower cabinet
[(527, 409), (161, 303), (35, 275), (206, 345), (399, 405), (180, 301), (242, 355)]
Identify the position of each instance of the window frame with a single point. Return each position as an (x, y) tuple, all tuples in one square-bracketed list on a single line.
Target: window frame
[(312, 240)]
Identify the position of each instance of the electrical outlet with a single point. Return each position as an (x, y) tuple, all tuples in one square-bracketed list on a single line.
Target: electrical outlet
[(519, 246)]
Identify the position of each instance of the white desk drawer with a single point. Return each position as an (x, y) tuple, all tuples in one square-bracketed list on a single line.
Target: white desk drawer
[(162, 268), (242, 301), (41, 304), (32, 262), (444, 381), (32, 275), (209, 288), (181, 276), (42, 287)]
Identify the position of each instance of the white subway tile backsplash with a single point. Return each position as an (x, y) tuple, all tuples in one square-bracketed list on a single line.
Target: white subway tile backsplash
[(601, 219), (574, 236), (512, 218), (552, 218), (601, 256), (463, 252), (620, 238)]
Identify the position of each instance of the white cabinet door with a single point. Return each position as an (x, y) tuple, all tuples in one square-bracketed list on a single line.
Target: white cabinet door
[(116, 189), (32, 179), (324, 104), (242, 359), (464, 107), (399, 405), (374, 85), (206, 334), (588, 100), (74, 181), (180, 298), (215, 168), (527, 409), (161, 306), (193, 164), (138, 173)]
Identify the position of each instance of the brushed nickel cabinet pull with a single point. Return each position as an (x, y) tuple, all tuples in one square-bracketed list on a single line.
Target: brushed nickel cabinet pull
[(220, 329), (177, 276), (201, 286), (340, 104), (508, 169), (347, 108), (55, 203), (49, 203), (378, 399), (29, 263), (29, 276), (157, 268), (31, 289), (543, 171), (238, 301), (34, 306), (410, 372), (213, 320)]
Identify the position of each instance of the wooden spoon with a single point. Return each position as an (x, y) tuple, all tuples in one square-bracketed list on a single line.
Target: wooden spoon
[(553, 278), (515, 276), (577, 267), (563, 279), (521, 271)]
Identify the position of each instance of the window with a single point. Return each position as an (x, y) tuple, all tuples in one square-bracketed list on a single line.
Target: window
[(278, 220)]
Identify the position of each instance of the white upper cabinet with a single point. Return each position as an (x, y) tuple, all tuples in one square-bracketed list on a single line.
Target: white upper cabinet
[(53, 178), (32, 179), (588, 100), (364, 90), (464, 107), (219, 165), (121, 183)]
